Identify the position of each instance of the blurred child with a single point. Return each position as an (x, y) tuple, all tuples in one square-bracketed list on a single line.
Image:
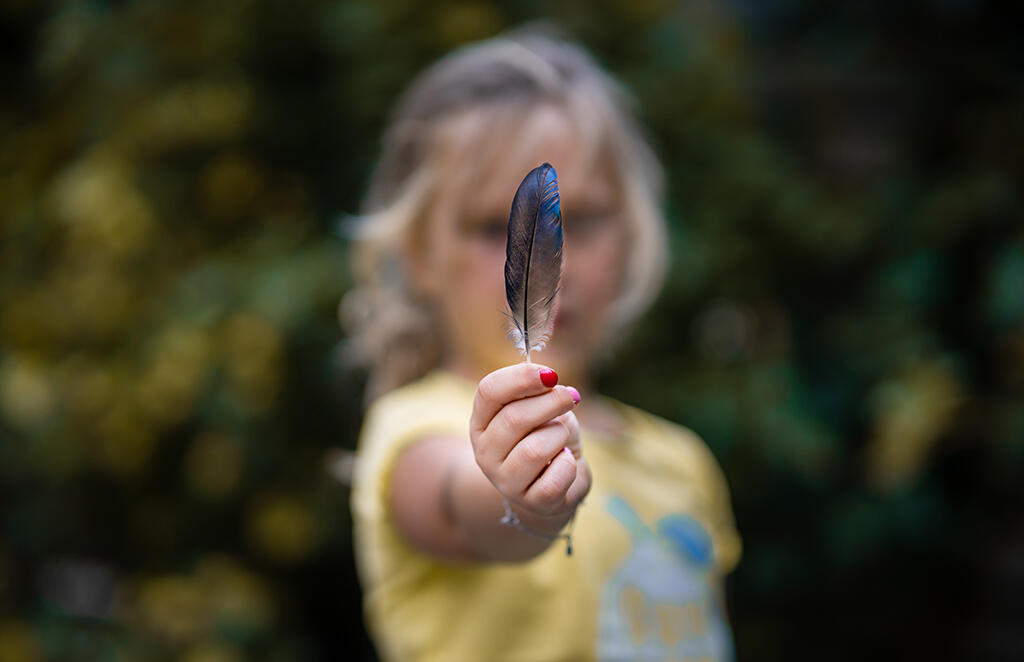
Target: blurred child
[(473, 478)]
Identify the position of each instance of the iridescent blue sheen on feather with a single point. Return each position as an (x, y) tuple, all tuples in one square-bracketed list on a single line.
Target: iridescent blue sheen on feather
[(533, 259)]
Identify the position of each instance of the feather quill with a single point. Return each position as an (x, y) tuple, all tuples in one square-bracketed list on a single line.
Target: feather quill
[(533, 259)]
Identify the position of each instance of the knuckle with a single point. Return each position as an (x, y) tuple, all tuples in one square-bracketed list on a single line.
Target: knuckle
[(484, 451), (482, 462), (568, 423), (565, 400), (562, 432), (501, 483), (511, 418), (548, 495), (487, 388), (526, 374), (555, 432), (531, 452), (572, 423)]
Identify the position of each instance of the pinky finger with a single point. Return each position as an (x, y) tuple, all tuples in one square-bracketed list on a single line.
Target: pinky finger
[(581, 486)]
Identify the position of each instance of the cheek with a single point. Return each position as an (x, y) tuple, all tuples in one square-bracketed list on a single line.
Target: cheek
[(475, 277), (474, 307), (600, 269), (483, 266)]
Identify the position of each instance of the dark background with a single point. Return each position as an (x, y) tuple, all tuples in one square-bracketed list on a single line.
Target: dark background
[(843, 323)]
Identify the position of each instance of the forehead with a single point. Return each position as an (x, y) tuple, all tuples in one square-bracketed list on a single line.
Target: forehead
[(486, 155)]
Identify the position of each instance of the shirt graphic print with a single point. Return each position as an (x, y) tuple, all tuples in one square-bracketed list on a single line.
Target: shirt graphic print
[(660, 604)]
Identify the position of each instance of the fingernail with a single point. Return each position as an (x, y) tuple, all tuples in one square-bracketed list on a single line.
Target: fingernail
[(565, 449), (574, 393), (548, 377)]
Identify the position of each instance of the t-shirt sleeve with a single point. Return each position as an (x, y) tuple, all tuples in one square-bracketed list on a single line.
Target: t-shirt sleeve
[(728, 545), (392, 424), (699, 465)]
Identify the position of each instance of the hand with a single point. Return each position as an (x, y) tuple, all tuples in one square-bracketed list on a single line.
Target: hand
[(526, 440)]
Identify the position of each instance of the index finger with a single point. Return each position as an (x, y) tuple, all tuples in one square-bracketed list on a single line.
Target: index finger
[(506, 385)]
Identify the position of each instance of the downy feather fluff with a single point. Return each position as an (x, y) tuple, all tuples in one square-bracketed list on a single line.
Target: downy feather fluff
[(533, 259)]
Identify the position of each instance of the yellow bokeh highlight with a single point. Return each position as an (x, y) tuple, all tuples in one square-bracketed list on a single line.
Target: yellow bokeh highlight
[(195, 113), (252, 352), (101, 207), (282, 527), (167, 389), (212, 652), (27, 396), (912, 412), (219, 598), (172, 607), (238, 600), (17, 644)]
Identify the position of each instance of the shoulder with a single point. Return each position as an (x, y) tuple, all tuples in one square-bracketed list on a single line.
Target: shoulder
[(438, 404), (436, 388), (435, 403)]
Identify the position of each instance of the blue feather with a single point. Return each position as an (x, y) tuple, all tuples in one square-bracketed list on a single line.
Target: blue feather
[(533, 259)]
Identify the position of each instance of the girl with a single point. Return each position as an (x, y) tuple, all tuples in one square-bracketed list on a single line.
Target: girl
[(471, 477)]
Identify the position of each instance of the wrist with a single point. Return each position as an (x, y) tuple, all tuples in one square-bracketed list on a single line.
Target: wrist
[(513, 520), (550, 525)]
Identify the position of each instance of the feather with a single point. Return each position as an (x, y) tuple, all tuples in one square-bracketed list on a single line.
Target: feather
[(533, 259)]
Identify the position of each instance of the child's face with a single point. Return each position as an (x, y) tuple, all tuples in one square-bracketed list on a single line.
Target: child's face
[(460, 264)]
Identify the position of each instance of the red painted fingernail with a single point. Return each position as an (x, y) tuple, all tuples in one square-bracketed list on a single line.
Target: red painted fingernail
[(548, 377), (574, 393)]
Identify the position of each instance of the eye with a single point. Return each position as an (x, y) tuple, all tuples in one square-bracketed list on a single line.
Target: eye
[(586, 225), (490, 230), (493, 230)]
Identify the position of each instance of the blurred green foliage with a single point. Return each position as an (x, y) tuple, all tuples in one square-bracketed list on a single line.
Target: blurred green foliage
[(844, 320)]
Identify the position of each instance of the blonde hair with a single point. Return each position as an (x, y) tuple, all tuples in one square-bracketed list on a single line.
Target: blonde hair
[(391, 328)]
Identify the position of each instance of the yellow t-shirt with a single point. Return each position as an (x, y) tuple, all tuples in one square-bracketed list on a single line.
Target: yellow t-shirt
[(651, 543)]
